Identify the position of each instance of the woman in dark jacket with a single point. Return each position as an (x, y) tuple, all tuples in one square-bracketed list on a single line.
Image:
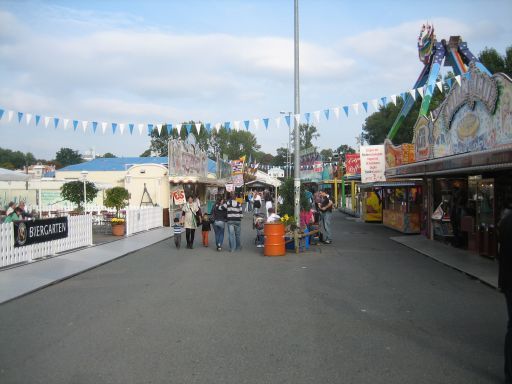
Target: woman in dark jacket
[(219, 214)]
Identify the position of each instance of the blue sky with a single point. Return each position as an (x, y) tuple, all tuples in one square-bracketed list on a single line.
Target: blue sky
[(214, 61)]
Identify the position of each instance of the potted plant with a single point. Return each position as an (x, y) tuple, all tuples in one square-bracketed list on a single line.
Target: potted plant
[(117, 198)]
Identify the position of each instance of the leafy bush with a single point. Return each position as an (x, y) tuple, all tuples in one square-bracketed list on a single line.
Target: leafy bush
[(288, 194), (117, 198), (74, 192)]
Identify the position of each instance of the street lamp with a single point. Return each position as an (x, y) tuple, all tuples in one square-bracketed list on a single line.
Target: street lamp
[(288, 158), (84, 179)]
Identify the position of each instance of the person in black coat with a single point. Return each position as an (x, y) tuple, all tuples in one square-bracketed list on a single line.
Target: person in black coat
[(505, 281)]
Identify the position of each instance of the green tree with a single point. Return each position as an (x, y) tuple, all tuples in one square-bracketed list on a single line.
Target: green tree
[(280, 158), (235, 144), (343, 149), (326, 153), (508, 61), (146, 153), (288, 194), (67, 156), (108, 155), (308, 133), (74, 192), (492, 60), (15, 159), (117, 198)]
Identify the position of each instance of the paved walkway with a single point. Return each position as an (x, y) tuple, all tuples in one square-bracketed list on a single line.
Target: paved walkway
[(19, 281), (472, 264)]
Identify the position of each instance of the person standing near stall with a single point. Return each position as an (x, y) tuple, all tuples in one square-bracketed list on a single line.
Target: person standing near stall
[(219, 213), (189, 217), (234, 216), (325, 208), (505, 280)]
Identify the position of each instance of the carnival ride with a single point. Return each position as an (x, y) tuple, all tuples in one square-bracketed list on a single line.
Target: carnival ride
[(455, 53)]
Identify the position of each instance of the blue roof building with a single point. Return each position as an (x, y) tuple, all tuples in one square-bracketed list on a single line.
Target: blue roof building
[(114, 163)]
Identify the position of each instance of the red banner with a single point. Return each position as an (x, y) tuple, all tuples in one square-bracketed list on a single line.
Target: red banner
[(352, 164)]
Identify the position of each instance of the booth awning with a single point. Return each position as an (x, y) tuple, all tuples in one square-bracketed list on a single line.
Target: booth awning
[(391, 184), (188, 180)]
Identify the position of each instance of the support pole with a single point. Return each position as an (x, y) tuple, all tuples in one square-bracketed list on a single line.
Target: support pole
[(296, 171)]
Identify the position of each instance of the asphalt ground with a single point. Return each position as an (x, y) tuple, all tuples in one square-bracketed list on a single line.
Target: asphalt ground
[(361, 310)]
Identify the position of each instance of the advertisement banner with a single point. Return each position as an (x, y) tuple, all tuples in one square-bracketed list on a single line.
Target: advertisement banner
[(40, 231), (352, 164), (178, 195), (373, 163), (238, 180), (186, 159)]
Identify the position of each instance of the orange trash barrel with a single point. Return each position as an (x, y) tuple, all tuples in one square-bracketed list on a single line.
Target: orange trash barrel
[(274, 239)]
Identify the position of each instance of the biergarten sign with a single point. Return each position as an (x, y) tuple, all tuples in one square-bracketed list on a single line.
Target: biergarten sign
[(40, 231)]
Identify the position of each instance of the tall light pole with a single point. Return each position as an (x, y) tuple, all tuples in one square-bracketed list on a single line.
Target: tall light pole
[(288, 156), (296, 173), (84, 179)]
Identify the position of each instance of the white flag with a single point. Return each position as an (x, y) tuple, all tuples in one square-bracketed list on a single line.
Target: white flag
[(103, 127), (46, 121), (412, 92), (457, 79), (236, 123), (420, 91), (297, 117), (28, 116), (278, 122), (178, 127), (10, 114), (140, 127), (440, 85), (121, 128), (356, 108), (65, 123), (158, 128), (84, 125), (198, 128), (375, 104), (393, 99), (336, 112), (316, 114), (217, 127)]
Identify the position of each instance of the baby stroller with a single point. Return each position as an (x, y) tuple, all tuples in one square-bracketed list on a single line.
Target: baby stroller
[(258, 223)]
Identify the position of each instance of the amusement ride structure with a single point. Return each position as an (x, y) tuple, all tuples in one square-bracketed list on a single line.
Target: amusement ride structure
[(455, 53)]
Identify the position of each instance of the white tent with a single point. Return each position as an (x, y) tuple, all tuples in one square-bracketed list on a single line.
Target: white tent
[(8, 175)]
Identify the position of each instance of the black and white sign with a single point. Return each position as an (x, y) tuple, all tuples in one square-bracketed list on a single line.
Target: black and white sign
[(40, 231)]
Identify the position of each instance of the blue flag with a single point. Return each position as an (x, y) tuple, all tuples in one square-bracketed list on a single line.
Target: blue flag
[(188, 127), (150, 129), (169, 128), (449, 82), (20, 116), (287, 118), (130, 126), (55, 122), (365, 106), (227, 125), (1, 113), (94, 126), (307, 115), (37, 119), (246, 123), (345, 108), (208, 127), (326, 113), (114, 127), (265, 121), (75, 124), (384, 101)]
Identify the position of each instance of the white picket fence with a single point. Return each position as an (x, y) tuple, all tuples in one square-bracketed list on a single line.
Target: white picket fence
[(143, 219), (79, 235)]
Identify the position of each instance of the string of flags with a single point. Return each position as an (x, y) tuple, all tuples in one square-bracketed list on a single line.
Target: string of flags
[(148, 128)]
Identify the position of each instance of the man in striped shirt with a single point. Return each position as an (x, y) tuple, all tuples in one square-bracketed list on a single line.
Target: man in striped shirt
[(234, 217)]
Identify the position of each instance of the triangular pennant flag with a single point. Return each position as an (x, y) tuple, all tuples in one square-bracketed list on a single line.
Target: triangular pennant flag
[(168, 126), (393, 99), (37, 119), (114, 127), (256, 123), (457, 79), (208, 127), (440, 85), (278, 122), (103, 127), (297, 118), (75, 124), (403, 95), (46, 121), (65, 123), (355, 107), (265, 121), (247, 122), (375, 104), (158, 128), (365, 106), (227, 125), (384, 101), (56, 122), (449, 81), (95, 125), (84, 125), (420, 91), (20, 116), (9, 115), (198, 128), (306, 116), (345, 109), (1, 113), (28, 117), (467, 75), (412, 92), (326, 113), (178, 128), (121, 128), (236, 124), (150, 129), (316, 114), (188, 127), (287, 119), (336, 111)]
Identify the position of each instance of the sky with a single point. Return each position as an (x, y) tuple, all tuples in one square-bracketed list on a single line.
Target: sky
[(214, 61)]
